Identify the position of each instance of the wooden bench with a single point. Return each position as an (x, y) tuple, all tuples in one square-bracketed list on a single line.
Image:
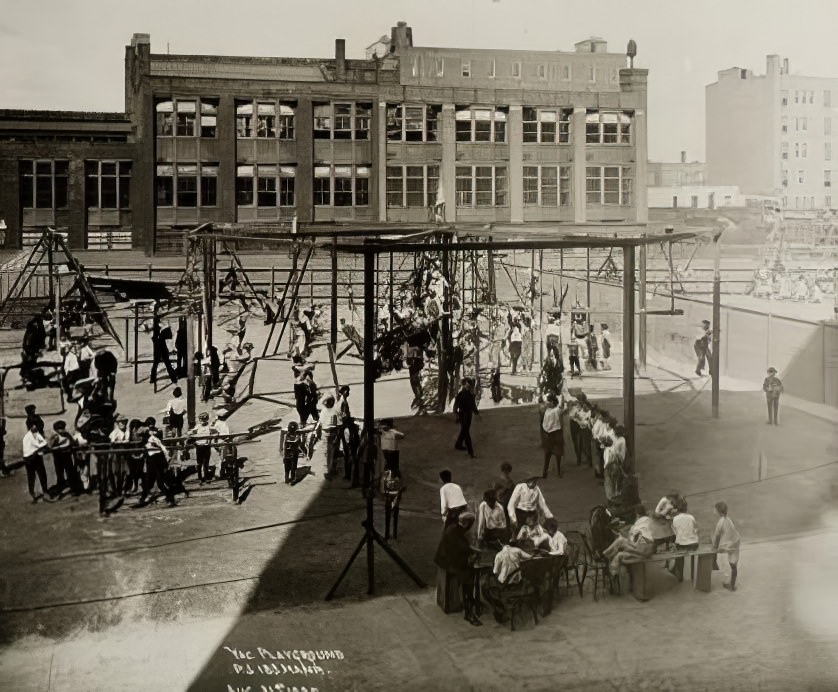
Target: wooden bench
[(704, 555)]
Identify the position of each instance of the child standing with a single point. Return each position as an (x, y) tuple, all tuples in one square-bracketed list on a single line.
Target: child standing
[(686, 537), (726, 541), (292, 446)]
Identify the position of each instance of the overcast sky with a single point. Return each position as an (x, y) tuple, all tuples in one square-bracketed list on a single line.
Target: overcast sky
[(68, 54)]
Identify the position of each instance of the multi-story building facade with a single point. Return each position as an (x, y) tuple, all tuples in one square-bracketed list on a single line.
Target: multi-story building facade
[(773, 135), (476, 135)]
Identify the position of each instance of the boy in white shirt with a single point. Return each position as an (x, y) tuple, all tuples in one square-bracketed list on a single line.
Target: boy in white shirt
[(390, 445), (34, 446), (686, 537)]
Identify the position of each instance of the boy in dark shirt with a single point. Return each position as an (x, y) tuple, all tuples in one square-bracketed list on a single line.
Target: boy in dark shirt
[(292, 446)]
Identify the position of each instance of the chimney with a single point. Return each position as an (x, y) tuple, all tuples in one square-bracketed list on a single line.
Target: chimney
[(401, 36), (340, 58), (683, 157)]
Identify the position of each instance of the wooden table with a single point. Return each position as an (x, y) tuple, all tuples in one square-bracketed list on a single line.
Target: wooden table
[(701, 568)]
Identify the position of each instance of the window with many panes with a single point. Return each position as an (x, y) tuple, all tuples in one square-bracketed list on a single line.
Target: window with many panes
[(827, 178), (610, 185), (412, 186), (187, 185), (547, 126), (406, 123), (827, 151), (43, 184), (342, 186), (265, 185), (608, 127), (482, 186), (186, 117), (342, 120), (107, 184), (265, 119), (480, 124), (546, 186)]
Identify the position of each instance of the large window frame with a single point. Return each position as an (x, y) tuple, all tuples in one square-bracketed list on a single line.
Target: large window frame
[(481, 187), (609, 186), (413, 123), (547, 186), (342, 186), (480, 124), (608, 127), (186, 117), (265, 119), (186, 185), (410, 187), (547, 125), (107, 184), (343, 120), (44, 183), (266, 185)]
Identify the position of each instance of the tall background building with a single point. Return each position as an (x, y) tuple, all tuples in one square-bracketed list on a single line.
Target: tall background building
[(407, 135), (772, 134)]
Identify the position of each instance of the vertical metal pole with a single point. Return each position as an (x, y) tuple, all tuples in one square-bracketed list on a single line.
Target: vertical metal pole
[(588, 279), (49, 260), (628, 353), (190, 369), (392, 297), (370, 261), (442, 393), (273, 280), (541, 307), (334, 330), (561, 273), (58, 314), (717, 318), (136, 341), (641, 330)]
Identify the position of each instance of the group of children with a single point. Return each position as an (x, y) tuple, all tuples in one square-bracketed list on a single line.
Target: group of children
[(133, 457), (672, 522)]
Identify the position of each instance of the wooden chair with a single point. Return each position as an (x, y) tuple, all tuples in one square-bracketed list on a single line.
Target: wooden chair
[(599, 565), (506, 599), (536, 575), (576, 559)]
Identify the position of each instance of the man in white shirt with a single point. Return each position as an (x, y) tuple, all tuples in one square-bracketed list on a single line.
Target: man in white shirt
[(34, 445), (554, 435), (552, 333), (451, 499), (203, 445), (527, 497), (70, 367)]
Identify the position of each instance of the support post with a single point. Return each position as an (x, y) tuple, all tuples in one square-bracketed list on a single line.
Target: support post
[(588, 280), (334, 330), (445, 336), (190, 365), (717, 318), (370, 265), (641, 327), (628, 353), (541, 307), (136, 341)]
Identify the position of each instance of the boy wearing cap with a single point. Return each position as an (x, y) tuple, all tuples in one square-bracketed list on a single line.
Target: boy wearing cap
[(390, 445), (34, 446), (118, 464), (773, 387), (203, 446), (702, 346), (61, 443)]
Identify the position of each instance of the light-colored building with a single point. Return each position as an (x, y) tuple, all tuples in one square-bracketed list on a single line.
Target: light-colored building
[(773, 135)]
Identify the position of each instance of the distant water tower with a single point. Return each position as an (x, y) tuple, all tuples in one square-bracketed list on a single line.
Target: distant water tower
[(631, 52)]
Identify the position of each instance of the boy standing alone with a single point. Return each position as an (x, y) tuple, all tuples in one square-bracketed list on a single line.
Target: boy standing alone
[(726, 541)]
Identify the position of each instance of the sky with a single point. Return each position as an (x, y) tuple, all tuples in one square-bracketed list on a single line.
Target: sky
[(68, 54)]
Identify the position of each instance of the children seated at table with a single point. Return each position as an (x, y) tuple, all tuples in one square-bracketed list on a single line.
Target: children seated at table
[(533, 531), (639, 545), (557, 541), (686, 537), (491, 519)]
